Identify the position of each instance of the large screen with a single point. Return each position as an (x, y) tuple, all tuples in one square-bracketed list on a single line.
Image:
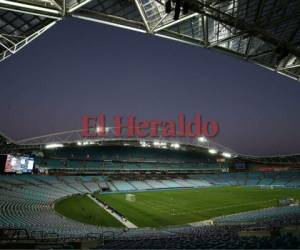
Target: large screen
[(18, 164)]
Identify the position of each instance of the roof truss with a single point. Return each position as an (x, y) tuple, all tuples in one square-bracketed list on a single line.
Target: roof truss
[(264, 32)]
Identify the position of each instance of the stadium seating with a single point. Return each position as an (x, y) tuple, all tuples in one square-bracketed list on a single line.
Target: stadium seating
[(30, 205), (170, 183), (156, 184), (124, 153), (260, 215), (27, 201), (212, 237), (140, 185), (57, 164), (253, 179), (211, 241), (288, 179), (123, 186), (115, 158)]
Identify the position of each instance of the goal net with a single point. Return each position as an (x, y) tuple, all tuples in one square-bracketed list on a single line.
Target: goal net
[(130, 197)]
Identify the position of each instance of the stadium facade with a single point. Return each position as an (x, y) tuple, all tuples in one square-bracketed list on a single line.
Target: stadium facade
[(265, 33)]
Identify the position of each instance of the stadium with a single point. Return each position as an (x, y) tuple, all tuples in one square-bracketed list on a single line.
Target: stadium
[(66, 191), (63, 192)]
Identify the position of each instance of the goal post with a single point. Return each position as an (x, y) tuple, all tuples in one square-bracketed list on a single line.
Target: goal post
[(130, 197)]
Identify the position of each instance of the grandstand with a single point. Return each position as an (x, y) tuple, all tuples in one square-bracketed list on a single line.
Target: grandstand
[(34, 195), (129, 159), (27, 202), (75, 194)]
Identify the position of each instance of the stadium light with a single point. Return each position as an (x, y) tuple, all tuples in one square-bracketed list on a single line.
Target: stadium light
[(202, 139), (13, 161), (160, 144), (79, 143), (226, 155), (212, 151), (54, 145), (175, 145), (145, 144)]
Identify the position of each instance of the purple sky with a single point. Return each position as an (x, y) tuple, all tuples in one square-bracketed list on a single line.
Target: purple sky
[(80, 67)]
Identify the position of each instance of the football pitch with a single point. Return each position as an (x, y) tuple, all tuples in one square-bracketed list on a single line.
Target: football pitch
[(175, 207), (83, 209)]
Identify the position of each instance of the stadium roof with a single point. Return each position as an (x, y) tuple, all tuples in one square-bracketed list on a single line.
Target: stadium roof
[(8, 145), (264, 32), (278, 159), (74, 137)]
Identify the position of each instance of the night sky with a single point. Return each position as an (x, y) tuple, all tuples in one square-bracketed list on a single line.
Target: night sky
[(80, 67)]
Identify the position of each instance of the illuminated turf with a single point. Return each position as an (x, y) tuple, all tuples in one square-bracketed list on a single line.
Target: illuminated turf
[(175, 207), (83, 209)]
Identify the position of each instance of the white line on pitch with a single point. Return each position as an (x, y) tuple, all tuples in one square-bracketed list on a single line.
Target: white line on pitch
[(126, 223)]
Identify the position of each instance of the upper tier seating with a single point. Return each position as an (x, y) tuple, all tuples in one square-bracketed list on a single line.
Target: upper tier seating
[(57, 164), (100, 153)]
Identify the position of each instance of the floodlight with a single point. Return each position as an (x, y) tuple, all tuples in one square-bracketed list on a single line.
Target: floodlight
[(54, 145), (13, 161), (202, 139), (227, 155), (175, 145), (212, 151)]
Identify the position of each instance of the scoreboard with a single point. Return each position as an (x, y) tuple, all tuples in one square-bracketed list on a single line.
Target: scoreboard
[(16, 164)]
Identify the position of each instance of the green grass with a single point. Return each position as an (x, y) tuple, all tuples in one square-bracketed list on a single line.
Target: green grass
[(83, 209), (164, 208), (174, 207)]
